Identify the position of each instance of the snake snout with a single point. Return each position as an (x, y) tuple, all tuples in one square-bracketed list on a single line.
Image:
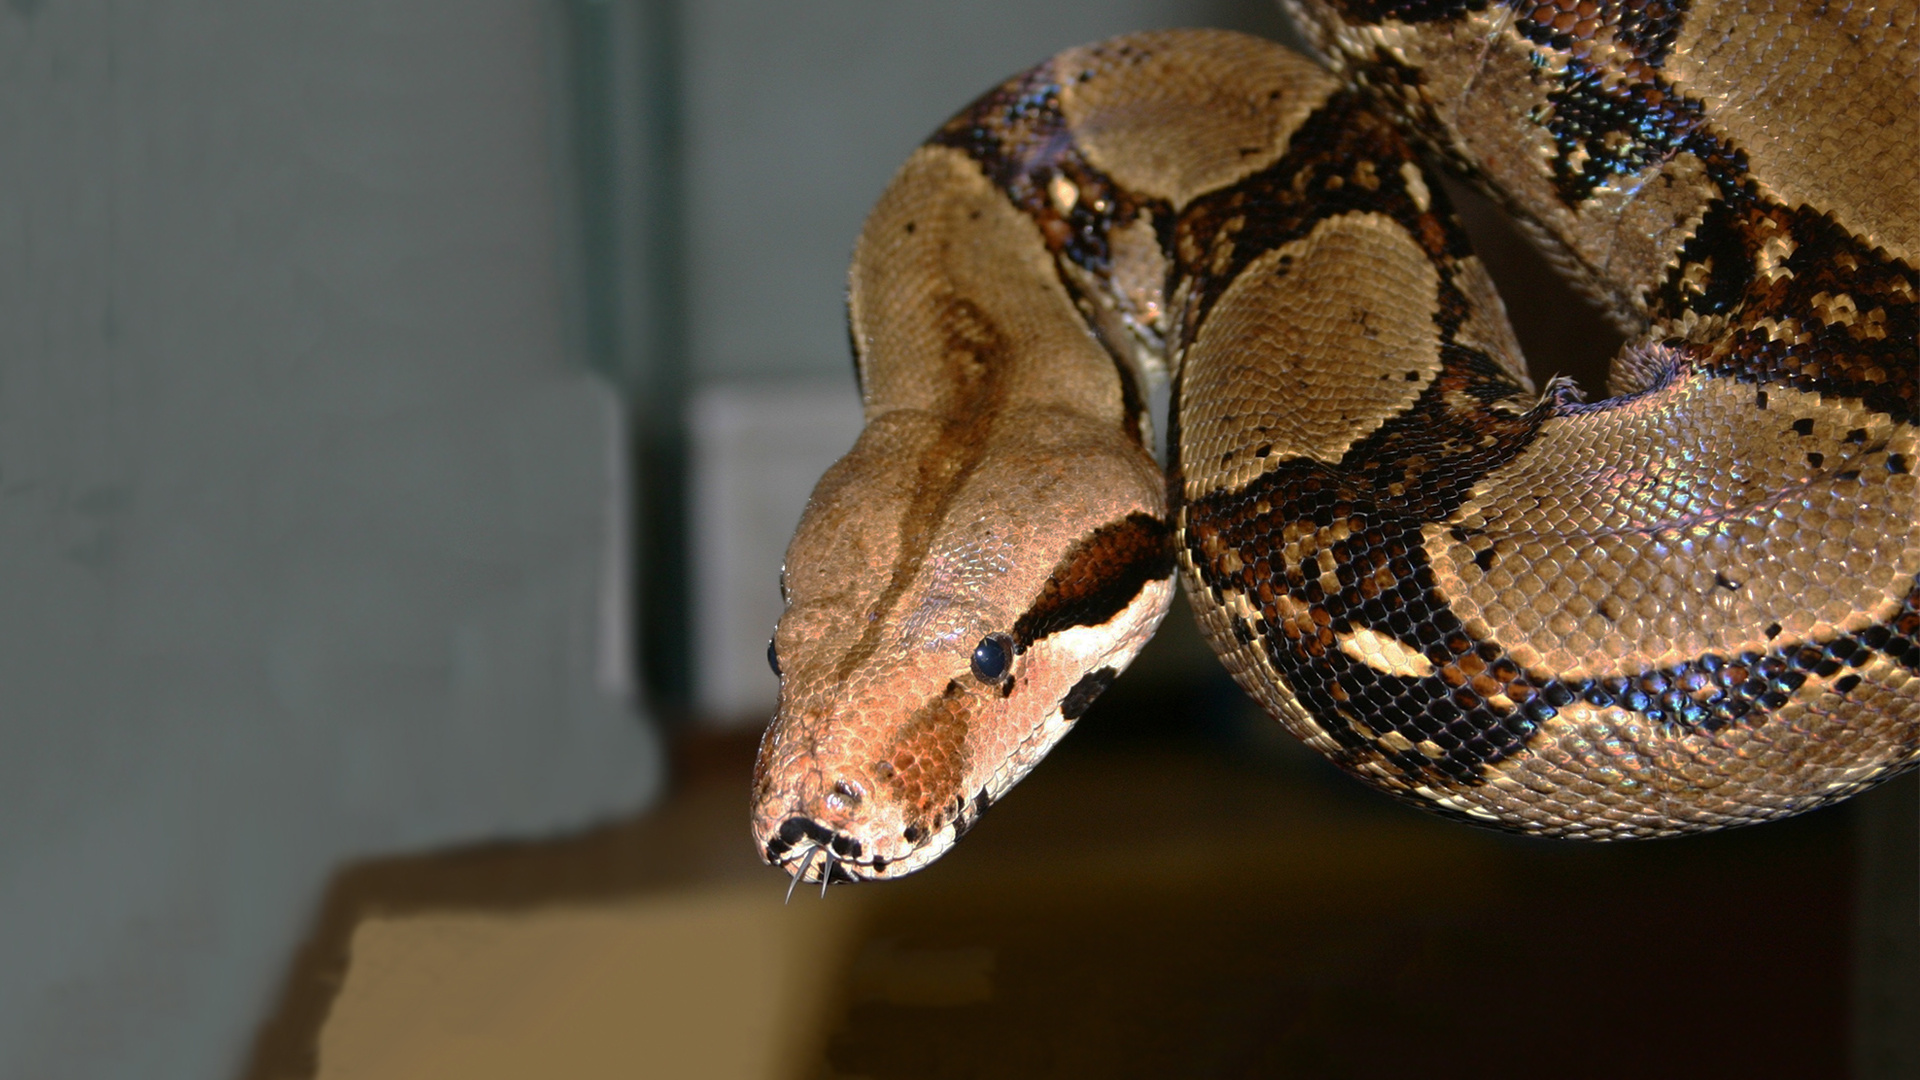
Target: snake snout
[(800, 828)]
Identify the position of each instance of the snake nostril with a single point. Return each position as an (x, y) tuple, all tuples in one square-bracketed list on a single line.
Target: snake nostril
[(845, 797)]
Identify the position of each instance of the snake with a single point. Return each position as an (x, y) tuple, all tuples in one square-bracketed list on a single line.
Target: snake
[(1692, 605)]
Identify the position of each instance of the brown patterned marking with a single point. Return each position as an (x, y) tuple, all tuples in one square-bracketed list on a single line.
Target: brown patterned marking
[(1314, 556), (1642, 29), (977, 364), (1311, 320), (1099, 577), (1737, 280), (1381, 712), (1237, 102), (1778, 276), (926, 759), (1308, 614), (1835, 119), (1604, 570), (1612, 112), (1081, 697), (1018, 136), (1223, 233), (1406, 11)]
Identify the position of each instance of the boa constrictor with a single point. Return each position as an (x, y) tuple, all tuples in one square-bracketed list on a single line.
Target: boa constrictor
[(1691, 606)]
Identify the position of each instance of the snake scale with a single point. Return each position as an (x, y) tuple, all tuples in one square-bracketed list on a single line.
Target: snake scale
[(1691, 606)]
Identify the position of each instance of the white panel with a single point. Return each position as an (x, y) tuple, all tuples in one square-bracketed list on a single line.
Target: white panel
[(757, 449)]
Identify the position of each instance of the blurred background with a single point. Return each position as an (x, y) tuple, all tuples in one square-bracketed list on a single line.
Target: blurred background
[(403, 410)]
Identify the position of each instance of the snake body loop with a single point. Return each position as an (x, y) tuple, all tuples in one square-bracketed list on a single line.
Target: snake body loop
[(1693, 605)]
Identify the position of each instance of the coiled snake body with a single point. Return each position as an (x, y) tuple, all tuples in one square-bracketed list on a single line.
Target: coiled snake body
[(1694, 605)]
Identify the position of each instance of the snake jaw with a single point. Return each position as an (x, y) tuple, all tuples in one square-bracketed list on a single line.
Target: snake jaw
[(874, 790), (876, 774)]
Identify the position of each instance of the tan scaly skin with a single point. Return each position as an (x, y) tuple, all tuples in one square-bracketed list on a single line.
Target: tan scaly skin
[(1693, 606)]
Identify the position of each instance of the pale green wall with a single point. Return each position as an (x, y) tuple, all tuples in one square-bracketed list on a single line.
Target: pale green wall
[(305, 515)]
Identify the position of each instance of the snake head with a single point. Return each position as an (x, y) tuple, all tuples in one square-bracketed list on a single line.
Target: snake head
[(951, 611)]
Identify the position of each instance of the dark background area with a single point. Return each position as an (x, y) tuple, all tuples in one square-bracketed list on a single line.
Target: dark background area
[(1183, 890)]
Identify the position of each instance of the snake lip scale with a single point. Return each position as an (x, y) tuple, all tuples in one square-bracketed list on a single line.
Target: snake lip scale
[(1690, 606)]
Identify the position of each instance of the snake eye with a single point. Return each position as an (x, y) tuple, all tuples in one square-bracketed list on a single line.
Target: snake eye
[(773, 656), (992, 657)]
